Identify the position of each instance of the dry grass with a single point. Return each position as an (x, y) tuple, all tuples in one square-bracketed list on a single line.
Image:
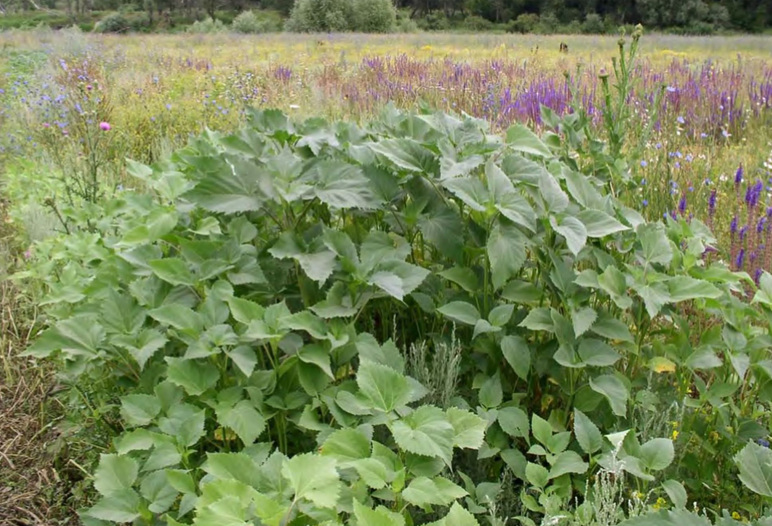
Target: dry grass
[(32, 489)]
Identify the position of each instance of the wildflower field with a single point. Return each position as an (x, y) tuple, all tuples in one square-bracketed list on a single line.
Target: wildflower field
[(385, 280)]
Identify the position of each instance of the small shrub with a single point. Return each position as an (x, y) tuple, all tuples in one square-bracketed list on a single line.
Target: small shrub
[(405, 24), (548, 24), (205, 26), (319, 16), (593, 24), (477, 23), (700, 28), (246, 22), (113, 23), (525, 23), (572, 28), (434, 22), (374, 16)]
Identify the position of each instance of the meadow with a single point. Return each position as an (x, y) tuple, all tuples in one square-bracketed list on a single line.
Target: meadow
[(397, 279)]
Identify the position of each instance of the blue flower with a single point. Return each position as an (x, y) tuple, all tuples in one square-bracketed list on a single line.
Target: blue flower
[(680, 120), (645, 202), (763, 442), (644, 164)]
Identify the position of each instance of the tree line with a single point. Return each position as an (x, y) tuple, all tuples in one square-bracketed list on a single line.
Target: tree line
[(518, 15)]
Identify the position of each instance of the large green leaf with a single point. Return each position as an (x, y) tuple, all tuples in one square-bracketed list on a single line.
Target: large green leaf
[(514, 421), (441, 227), (599, 224), (398, 278), (426, 431), (470, 190), (342, 185), (122, 506), (517, 354), (522, 139), (318, 264), (173, 270), (655, 246), (114, 474), (346, 445), (573, 231), (506, 252), (386, 388), (244, 419), (657, 453), (423, 491), (755, 465), (406, 154), (380, 516), (613, 390), (684, 288), (156, 490), (314, 478), (78, 336), (457, 516), (139, 409), (461, 312), (194, 376), (568, 462), (228, 190), (587, 433), (468, 428)]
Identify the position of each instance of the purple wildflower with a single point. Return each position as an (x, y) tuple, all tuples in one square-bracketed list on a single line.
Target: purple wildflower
[(733, 226), (712, 203), (738, 176), (743, 231), (757, 278), (104, 126), (740, 259), (682, 205)]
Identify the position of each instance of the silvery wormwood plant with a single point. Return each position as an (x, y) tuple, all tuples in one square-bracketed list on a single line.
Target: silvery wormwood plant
[(239, 307)]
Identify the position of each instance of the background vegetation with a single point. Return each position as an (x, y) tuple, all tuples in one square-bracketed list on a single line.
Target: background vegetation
[(359, 310), (522, 16)]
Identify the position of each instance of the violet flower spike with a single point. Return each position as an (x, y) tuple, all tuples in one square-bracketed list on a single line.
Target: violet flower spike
[(740, 259), (738, 176), (712, 203), (682, 205), (733, 226)]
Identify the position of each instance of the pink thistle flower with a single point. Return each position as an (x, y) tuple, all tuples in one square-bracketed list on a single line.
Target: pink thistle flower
[(104, 126)]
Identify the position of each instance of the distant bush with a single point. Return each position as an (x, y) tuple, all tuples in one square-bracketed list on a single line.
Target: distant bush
[(548, 24), (593, 24), (309, 16), (434, 22), (113, 23), (374, 16), (572, 28), (207, 25), (477, 23), (525, 23), (251, 22), (405, 24)]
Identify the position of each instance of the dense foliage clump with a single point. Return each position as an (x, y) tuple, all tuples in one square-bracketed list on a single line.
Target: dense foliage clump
[(313, 321)]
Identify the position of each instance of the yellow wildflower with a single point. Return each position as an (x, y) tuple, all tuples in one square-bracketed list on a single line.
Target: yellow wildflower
[(675, 434)]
